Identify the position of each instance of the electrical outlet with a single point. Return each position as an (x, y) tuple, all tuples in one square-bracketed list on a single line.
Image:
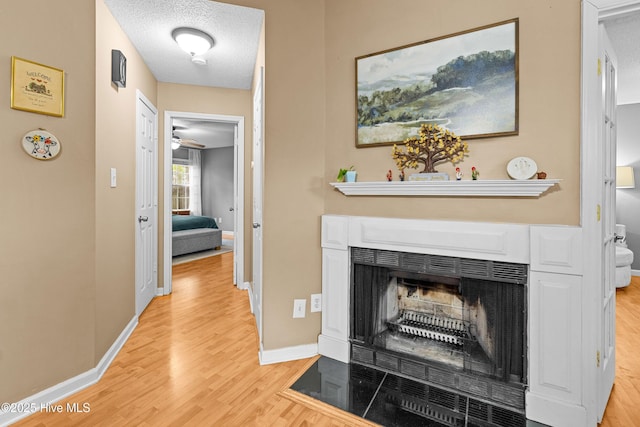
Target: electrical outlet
[(316, 303), (299, 308)]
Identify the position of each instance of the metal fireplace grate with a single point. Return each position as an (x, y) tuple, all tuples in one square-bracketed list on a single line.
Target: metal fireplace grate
[(432, 327), (505, 272)]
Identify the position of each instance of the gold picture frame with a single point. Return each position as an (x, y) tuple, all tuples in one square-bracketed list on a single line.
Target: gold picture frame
[(466, 82), (37, 88)]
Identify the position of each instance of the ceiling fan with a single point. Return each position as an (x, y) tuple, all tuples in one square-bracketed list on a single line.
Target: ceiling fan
[(177, 142)]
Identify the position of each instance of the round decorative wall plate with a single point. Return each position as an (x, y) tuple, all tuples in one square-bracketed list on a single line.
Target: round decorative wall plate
[(41, 144), (522, 168)]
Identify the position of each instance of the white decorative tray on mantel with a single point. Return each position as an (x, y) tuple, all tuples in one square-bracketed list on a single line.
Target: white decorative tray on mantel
[(478, 188)]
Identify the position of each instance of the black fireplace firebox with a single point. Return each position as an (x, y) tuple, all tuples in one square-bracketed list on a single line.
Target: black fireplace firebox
[(455, 324)]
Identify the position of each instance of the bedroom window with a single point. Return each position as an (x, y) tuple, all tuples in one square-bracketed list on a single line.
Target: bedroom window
[(180, 195)]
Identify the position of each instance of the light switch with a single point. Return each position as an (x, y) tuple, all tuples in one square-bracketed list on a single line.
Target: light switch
[(113, 177)]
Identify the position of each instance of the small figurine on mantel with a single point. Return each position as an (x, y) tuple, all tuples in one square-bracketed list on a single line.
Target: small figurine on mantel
[(389, 176), (474, 173), (401, 176), (458, 174)]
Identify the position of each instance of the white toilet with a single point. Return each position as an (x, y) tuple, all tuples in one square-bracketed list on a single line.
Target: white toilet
[(624, 258)]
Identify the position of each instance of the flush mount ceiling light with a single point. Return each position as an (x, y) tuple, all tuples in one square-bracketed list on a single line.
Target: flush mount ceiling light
[(192, 41)]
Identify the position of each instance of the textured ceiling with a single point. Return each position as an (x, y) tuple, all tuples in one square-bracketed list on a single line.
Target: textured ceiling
[(235, 31), (209, 133), (230, 63), (624, 33)]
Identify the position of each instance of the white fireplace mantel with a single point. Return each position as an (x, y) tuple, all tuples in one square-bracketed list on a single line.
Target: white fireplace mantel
[(478, 188), (554, 320)]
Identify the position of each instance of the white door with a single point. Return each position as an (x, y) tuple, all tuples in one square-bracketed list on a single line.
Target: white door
[(258, 161), (236, 202), (607, 342), (146, 203)]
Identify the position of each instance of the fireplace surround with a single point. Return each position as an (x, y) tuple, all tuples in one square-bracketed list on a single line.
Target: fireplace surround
[(549, 379)]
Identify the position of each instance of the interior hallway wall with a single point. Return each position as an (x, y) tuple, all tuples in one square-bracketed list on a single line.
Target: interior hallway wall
[(217, 185), (48, 221), (628, 199)]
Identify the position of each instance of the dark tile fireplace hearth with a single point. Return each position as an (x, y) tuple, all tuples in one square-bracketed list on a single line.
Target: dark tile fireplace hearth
[(395, 401)]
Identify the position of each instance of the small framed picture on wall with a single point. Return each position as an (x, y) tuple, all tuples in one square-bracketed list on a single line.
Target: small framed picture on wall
[(36, 88)]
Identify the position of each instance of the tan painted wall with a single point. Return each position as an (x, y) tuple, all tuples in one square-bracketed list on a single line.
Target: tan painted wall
[(206, 100), (115, 207), (294, 166), (549, 78), (67, 252), (310, 126), (47, 226)]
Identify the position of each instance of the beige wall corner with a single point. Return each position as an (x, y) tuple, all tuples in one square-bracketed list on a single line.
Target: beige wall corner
[(310, 127)]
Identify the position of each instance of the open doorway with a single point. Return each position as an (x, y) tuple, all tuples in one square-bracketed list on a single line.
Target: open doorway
[(188, 132), (624, 32), (598, 135)]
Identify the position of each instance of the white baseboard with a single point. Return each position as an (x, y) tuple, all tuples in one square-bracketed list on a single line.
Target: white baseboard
[(553, 412), (73, 385), (250, 293), (159, 292), (287, 354), (333, 348), (115, 348), (635, 272)]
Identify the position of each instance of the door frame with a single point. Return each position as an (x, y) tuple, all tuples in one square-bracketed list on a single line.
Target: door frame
[(142, 99), (238, 183), (256, 295), (593, 11)]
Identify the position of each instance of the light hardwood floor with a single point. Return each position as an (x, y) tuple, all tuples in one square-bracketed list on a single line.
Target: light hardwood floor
[(193, 360), (623, 408)]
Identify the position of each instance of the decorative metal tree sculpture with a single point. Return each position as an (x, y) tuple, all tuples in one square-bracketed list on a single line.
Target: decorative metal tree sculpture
[(434, 145)]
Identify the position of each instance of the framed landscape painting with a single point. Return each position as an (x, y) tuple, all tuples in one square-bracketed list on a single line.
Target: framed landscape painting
[(465, 82)]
